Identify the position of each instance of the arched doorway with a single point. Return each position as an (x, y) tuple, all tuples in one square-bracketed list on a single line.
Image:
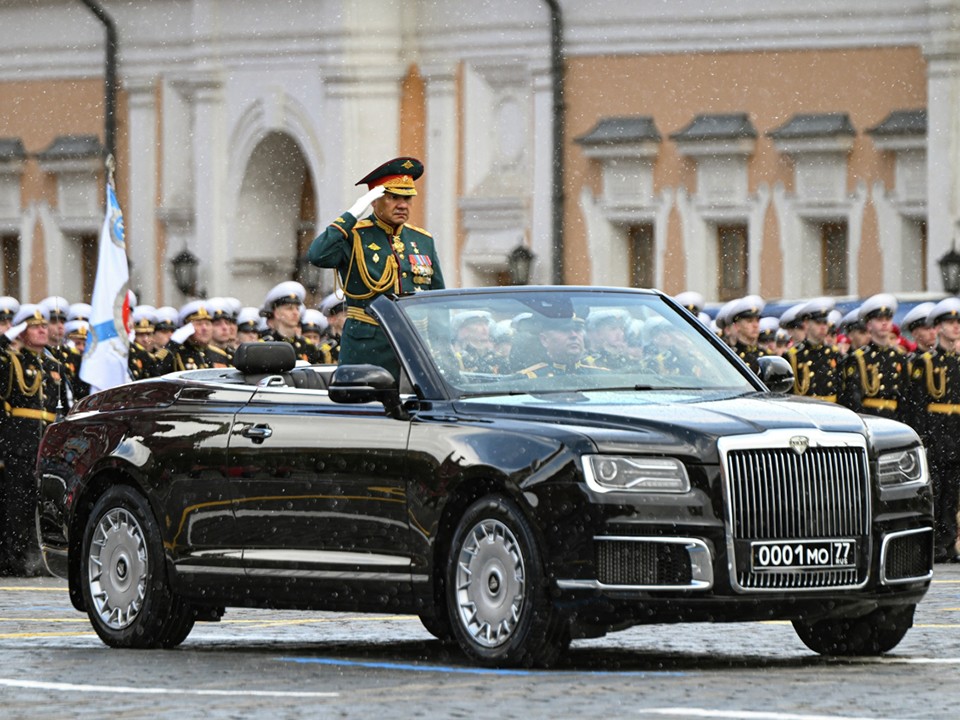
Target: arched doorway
[(276, 218)]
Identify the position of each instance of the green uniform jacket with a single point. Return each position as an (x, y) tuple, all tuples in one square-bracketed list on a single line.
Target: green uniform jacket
[(418, 269)]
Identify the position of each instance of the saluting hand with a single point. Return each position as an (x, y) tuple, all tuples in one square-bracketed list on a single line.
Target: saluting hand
[(182, 334), (13, 332), (361, 204)]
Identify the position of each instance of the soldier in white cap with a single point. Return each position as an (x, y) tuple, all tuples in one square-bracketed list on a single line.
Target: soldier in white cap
[(874, 375), (917, 324), (334, 308), (248, 325), (8, 308), (933, 409), (691, 300), (34, 395), (189, 347), (607, 338), (790, 322), (224, 325), (141, 361), (745, 317), (166, 323), (284, 303), (815, 362)]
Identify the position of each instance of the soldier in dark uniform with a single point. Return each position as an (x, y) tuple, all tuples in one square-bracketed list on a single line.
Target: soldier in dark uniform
[(334, 309), (248, 325), (873, 376), (917, 324), (933, 409), (189, 347), (745, 316), (855, 329), (166, 323), (314, 327), (141, 361), (816, 364), (34, 395), (379, 254), (76, 334), (284, 302), (224, 335), (790, 322)]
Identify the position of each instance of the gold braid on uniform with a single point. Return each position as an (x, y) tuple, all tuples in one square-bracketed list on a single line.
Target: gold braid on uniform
[(376, 287), (38, 380), (936, 393), (870, 386)]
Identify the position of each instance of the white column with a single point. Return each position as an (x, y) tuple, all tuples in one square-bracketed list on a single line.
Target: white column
[(542, 212), (140, 216), (210, 173), (441, 171), (943, 160)]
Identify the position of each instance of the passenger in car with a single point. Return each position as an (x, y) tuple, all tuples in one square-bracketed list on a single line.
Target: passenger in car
[(472, 345), (562, 341)]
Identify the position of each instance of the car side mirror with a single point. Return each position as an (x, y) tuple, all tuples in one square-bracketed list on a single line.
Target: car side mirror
[(367, 383), (776, 373)]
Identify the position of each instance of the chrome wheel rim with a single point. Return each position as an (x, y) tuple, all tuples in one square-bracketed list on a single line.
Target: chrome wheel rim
[(117, 568), (491, 583)]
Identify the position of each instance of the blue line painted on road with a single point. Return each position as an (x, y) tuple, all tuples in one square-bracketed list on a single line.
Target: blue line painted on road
[(470, 670)]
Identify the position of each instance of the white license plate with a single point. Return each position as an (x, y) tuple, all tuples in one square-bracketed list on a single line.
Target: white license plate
[(803, 554)]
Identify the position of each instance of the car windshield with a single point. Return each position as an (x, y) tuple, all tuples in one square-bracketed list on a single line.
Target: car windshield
[(541, 341)]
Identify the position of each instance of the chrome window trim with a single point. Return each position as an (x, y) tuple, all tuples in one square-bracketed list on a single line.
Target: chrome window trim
[(701, 566), (780, 440), (884, 580)]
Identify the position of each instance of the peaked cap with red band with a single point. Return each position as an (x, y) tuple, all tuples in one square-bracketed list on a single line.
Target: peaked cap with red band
[(396, 176)]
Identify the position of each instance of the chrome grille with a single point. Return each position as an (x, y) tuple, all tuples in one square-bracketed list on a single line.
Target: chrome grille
[(779, 494)]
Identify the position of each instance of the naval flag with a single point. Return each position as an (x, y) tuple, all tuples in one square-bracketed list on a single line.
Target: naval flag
[(105, 357)]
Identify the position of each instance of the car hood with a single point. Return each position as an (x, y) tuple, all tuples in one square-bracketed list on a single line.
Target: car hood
[(668, 421)]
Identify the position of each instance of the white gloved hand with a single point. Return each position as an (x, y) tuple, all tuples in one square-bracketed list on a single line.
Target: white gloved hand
[(131, 336), (15, 331), (360, 205), (181, 334)]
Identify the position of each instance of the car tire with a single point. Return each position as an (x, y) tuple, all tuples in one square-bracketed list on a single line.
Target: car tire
[(497, 592), (872, 634), (124, 576)]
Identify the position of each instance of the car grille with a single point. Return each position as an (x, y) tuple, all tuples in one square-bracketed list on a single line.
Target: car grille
[(778, 493), (642, 563)]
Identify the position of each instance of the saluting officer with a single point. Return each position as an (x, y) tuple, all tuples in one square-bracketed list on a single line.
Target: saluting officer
[(34, 395), (377, 255), (933, 410), (815, 363), (745, 317), (873, 375), (284, 302)]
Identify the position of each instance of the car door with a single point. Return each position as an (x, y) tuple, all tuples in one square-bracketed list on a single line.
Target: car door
[(320, 495)]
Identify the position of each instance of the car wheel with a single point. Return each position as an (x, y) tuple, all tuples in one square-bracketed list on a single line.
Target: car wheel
[(125, 585), (437, 625), (497, 594), (877, 632)]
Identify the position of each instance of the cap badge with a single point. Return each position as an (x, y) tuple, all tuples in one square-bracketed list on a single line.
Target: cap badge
[(407, 165)]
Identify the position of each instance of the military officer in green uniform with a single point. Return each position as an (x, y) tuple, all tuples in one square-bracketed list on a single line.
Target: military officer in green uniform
[(815, 363), (873, 376), (933, 409), (377, 255)]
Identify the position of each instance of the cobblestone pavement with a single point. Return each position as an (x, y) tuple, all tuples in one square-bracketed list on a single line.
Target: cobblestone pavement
[(258, 663)]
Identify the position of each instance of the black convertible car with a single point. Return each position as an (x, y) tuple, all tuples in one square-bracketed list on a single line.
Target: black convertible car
[(560, 483)]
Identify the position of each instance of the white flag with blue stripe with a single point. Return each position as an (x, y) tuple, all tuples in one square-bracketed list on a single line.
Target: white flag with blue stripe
[(105, 357)]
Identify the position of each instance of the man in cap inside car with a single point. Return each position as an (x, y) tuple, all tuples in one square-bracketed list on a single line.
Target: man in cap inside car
[(873, 376), (376, 255)]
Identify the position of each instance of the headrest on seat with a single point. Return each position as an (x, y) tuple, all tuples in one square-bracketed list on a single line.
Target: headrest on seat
[(255, 358)]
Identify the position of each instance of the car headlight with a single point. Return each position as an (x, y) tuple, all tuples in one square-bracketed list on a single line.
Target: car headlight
[(904, 467), (611, 473)]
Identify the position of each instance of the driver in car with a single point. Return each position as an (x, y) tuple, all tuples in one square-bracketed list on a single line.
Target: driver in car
[(564, 348)]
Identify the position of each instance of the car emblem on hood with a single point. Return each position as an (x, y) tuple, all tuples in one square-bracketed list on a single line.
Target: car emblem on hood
[(799, 443)]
